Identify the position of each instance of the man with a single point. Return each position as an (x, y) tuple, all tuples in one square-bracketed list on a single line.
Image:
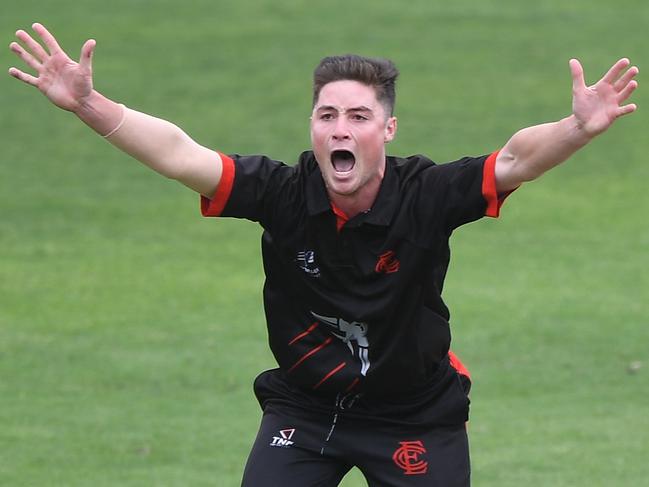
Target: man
[(355, 251)]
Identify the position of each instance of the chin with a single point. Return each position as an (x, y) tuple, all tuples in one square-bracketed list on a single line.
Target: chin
[(344, 189)]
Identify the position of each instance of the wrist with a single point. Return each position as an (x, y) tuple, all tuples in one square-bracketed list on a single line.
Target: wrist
[(100, 113), (86, 105), (576, 131)]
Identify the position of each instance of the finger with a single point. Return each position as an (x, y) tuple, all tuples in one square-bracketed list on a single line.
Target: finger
[(36, 49), (26, 78), (626, 77), (25, 56), (615, 71), (48, 38), (626, 92), (87, 50), (626, 109), (577, 73)]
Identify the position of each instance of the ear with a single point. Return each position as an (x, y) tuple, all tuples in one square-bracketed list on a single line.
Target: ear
[(390, 129)]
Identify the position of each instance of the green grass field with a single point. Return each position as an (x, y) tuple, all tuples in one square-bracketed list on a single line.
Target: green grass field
[(131, 328)]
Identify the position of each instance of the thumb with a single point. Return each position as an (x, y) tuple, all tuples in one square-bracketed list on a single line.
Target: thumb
[(87, 50), (577, 73)]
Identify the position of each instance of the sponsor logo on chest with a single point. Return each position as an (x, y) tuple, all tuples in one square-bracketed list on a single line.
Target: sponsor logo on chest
[(306, 261)]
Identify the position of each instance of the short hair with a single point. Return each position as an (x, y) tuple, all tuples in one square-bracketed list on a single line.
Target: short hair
[(381, 74)]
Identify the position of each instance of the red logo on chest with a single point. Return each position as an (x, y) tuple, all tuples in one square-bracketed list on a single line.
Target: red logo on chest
[(407, 458), (387, 263)]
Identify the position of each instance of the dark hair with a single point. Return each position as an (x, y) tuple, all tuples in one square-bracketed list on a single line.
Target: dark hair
[(380, 74)]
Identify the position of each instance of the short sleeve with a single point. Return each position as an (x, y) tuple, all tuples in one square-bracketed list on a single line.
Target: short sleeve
[(249, 188), (466, 190), (492, 197), (215, 205)]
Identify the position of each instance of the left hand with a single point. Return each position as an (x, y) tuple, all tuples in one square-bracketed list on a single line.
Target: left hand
[(596, 107)]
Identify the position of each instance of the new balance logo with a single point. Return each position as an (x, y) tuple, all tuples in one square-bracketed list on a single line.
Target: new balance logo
[(306, 262), (284, 438)]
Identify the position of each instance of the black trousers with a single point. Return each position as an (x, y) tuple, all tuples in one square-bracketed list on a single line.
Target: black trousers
[(296, 448)]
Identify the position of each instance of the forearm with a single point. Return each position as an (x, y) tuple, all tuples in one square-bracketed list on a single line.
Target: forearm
[(158, 144), (534, 150)]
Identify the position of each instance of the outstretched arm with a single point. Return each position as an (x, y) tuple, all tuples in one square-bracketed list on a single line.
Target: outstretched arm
[(534, 150), (157, 143)]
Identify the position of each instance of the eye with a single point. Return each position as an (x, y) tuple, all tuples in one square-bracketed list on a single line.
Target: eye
[(357, 117), (326, 116)]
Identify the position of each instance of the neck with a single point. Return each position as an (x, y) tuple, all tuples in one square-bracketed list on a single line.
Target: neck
[(358, 202)]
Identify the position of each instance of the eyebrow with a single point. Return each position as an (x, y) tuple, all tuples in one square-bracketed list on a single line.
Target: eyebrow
[(361, 108)]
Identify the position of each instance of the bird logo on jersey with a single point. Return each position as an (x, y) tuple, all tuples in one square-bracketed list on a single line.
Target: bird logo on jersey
[(353, 334)]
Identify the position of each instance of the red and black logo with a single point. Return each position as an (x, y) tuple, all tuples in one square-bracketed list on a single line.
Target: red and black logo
[(387, 263), (407, 458)]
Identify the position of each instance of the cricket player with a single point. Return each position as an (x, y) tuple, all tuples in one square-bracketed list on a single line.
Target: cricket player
[(355, 251)]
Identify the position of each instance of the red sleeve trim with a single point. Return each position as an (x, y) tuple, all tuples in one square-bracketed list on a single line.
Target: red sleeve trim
[(489, 192), (489, 186), (458, 365), (214, 206)]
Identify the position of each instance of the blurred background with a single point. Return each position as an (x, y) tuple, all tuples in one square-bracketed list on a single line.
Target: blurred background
[(131, 328)]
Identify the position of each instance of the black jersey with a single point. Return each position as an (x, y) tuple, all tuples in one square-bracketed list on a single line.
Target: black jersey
[(357, 307)]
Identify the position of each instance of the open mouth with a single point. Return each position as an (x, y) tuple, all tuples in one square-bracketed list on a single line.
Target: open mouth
[(342, 160)]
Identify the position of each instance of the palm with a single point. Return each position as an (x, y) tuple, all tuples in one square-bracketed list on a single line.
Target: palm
[(596, 107), (63, 81)]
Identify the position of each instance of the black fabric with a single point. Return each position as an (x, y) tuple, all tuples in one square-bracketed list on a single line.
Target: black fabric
[(444, 401), (358, 310), (305, 448)]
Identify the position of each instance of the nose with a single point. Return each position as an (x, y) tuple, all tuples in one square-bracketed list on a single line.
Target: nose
[(341, 129)]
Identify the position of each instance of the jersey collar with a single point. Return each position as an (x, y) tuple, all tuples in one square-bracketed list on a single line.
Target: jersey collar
[(381, 213)]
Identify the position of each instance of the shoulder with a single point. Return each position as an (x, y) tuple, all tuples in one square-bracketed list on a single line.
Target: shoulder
[(270, 172), (421, 167), (410, 167), (409, 164), (415, 171)]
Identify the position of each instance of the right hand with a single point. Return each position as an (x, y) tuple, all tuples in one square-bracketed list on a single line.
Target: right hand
[(63, 81)]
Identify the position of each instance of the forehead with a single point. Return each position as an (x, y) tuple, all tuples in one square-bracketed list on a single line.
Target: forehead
[(347, 94)]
